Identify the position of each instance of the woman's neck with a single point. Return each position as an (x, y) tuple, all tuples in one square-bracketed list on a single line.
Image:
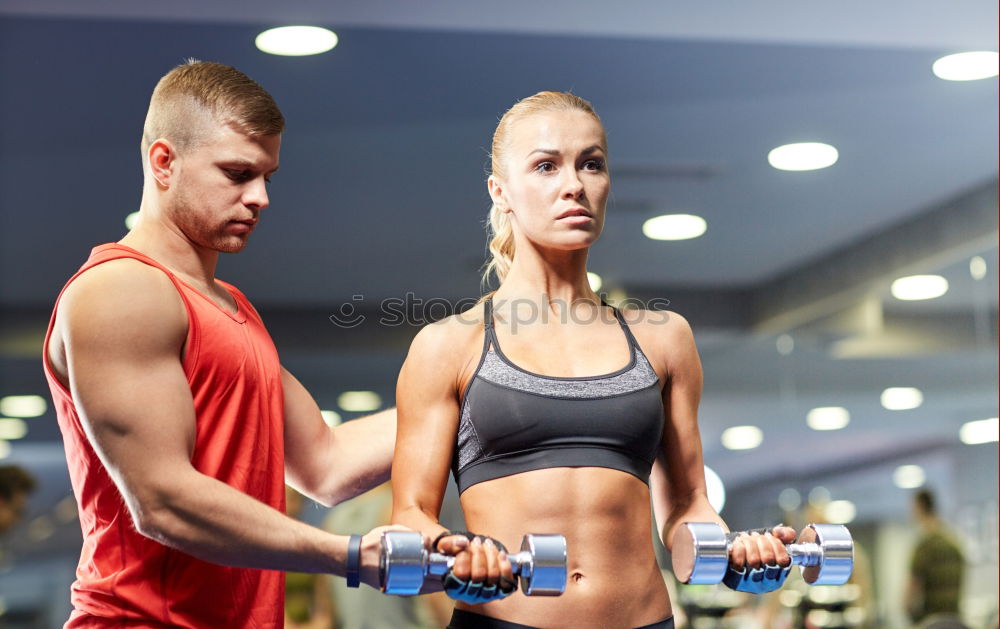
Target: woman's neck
[(548, 276)]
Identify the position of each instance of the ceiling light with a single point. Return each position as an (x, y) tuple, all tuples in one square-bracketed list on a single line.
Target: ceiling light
[(66, 510), (803, 156), (819, 495), (359, 401), (296, 41), (840, 512), (331, 418), (980, 431), (977, 267), (917, 287), (595, 281), (790, 598), (902, 398), (818, 617), (716, 489), (967, 66), (22, 406), (674, 227), (828, 418), (785, 344), (131, 220), (789, 499), (41, 528), (742, 437), (908, 476), (12, 428)]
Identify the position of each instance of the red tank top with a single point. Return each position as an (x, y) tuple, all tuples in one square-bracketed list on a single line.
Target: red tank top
[(126, 579)]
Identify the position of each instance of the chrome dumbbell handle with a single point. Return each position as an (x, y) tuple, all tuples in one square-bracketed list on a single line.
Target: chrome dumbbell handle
[(825, 553), (805, 554), (405, 563), (540, 565), (438, 564)]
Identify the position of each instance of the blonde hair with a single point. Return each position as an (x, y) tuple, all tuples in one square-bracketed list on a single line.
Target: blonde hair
[(499, 229), (186, 93)]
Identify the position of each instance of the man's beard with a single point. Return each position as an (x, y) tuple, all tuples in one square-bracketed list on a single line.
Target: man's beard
[(201, 231)]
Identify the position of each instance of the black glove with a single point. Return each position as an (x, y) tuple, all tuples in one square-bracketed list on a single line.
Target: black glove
[(754, 580), (469, 591)]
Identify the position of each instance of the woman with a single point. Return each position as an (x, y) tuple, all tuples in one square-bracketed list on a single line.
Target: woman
[(526, 398)]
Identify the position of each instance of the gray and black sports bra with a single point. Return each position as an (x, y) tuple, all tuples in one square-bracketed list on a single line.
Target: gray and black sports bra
[(515, 421)]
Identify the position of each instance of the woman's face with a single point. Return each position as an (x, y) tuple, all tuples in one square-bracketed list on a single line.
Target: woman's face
[(556, 182)]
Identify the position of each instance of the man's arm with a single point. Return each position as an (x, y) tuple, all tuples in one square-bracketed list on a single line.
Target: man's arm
[(124, 327), (331, 465)]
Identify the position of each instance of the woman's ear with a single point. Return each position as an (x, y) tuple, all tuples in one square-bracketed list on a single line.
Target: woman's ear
[(495, 186)]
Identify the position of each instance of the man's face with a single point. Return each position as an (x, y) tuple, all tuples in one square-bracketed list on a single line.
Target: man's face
[(220, 188)]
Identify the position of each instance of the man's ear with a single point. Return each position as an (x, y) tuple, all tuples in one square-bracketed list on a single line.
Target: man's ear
[(162, 157), (495, 186)]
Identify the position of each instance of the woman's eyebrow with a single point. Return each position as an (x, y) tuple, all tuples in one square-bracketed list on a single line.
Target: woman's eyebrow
[(545, 151)]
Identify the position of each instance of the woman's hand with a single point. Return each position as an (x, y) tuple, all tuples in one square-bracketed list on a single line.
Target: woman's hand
[(482, 572), (758, 550), (759, 562)]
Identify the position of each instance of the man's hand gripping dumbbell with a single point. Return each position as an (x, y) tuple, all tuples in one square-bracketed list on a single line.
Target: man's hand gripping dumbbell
[(759, 561), (472, 568)]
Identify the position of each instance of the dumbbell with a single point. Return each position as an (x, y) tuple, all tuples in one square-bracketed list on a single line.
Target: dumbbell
[(824, 552), (404, 564)]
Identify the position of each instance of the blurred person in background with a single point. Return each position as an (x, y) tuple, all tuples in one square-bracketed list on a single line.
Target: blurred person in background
[(15, 485), (937, 565)]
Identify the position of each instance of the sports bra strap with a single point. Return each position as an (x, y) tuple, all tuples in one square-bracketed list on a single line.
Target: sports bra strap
[(488, 312), (621, 321), (491, 333)]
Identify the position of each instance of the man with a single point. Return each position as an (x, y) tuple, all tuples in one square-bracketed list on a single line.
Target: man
[(937, 565), (15, 485), (179, 422)]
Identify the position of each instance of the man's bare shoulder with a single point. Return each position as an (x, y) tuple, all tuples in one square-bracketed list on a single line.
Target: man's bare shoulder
[(123, 297)]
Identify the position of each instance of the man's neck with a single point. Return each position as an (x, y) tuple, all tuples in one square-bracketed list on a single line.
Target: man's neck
[(165, 244)]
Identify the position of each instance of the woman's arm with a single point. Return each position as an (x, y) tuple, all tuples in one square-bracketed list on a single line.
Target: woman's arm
[(677, 481), (427, 399), (427, 422)]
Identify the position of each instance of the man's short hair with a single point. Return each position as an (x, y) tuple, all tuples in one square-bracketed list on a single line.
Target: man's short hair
[(15, 480), (194, 91)]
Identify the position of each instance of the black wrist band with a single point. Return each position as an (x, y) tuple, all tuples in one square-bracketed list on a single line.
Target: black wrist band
[(353, 572)]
